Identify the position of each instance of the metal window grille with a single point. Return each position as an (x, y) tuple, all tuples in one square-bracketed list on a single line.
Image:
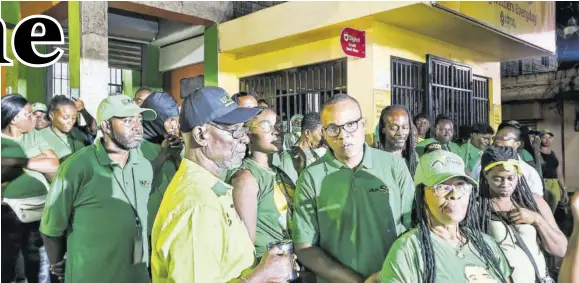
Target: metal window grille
[(60, 79), (450, 91), (480, 99), (299, 90), (125, 54), (408, 85), (115, 81)]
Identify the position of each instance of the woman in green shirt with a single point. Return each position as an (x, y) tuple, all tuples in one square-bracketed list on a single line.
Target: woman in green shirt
[(448, 245), (62, 137), (262, 193), (27, 161)]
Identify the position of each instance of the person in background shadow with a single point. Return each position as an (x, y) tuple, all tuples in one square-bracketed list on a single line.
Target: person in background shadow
[(39, 111), (422, 123), (443, 134), (245, 99), (95, 219)]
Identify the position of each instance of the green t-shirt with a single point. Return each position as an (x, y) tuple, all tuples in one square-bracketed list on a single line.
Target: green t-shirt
[(286, 163), (273, 207), (354, 215), (452, 147), (161, 179), (31, 183), (470, 154), (91, 202), (404, 263), (63, 145)]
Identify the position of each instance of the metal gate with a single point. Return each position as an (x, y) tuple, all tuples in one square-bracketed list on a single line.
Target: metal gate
[(299, 90), (450, 91), (408, 85), (480, 99)]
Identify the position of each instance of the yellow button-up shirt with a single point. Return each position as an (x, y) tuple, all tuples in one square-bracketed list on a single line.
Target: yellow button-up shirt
[(197, 235)]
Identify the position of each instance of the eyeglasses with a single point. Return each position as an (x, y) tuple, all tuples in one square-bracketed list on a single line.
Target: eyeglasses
[(442, 190), (236, 133), (267, 127), (334, 130)]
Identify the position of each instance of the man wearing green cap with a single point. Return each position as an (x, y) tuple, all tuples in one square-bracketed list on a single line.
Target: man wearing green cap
[(443, 134), (351, 204), (480, 139), (39, 111), (96, 209)]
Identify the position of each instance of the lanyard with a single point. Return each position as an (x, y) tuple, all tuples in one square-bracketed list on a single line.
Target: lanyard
[(134, 208)]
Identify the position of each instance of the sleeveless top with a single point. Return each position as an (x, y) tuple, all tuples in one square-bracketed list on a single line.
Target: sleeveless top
[(274, 204), (523, 270), (550, 166)]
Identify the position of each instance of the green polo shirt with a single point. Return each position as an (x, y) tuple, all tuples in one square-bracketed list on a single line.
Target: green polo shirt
[(31, 183), (90, 201), (404, 262), (161, 179), (354, 215), (452, 147), (63, 145), (470, 154)]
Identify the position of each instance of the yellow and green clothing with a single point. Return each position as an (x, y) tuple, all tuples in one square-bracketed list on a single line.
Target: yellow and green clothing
[(161, 179), (470, 154), (63, 145), (198, 236), (275, 194), (354, 215), (450, 146), (404, 263), (31, 183), (92, 201)]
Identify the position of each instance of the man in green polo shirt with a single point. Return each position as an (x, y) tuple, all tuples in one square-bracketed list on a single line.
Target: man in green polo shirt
[(443, 133), (471, 151), (96, 209), (350, 205)]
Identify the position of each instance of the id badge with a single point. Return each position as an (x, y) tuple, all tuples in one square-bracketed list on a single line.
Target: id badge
[(138, 246)]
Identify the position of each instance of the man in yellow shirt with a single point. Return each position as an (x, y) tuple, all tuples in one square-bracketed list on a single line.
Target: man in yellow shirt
[(197, 235)]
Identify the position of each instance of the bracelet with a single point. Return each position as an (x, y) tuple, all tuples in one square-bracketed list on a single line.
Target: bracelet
[(243, 279)]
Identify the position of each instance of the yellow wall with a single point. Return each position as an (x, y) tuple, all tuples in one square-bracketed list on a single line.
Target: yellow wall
[(368, 78)]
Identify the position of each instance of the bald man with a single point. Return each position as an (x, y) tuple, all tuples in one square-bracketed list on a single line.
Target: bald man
[(245, 99)]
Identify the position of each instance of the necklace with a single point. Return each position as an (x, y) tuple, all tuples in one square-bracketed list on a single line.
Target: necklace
[(459, 248)]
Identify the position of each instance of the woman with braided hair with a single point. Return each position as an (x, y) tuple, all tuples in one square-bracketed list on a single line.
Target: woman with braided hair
[(447, 246), (521, 222)]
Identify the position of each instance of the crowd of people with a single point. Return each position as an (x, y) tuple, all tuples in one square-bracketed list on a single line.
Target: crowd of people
[(223, 189)]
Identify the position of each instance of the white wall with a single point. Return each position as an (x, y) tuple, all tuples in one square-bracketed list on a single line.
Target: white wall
[(184, 53)]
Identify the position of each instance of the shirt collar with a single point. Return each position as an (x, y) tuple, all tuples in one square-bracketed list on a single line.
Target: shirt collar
[(104, 159), (366, 160), (219, 187)]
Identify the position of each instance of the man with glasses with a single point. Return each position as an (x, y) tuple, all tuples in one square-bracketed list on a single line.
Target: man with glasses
[(480, 139), (510, 135), (198, 236), (443, 134), (351, 204)]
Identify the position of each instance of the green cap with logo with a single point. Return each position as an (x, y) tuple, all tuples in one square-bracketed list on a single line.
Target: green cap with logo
[(546, 132), (439, 166), (122, 106), (39, 107)]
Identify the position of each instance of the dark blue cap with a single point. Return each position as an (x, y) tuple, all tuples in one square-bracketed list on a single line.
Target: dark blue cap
[(212, 104)]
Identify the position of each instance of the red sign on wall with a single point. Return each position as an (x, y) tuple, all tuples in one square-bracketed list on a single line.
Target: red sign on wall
[(353, 42)]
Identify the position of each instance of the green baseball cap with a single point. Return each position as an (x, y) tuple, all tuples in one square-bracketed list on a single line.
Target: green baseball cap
[(546, 132), (122, 106), (39, 107), (439, 166)]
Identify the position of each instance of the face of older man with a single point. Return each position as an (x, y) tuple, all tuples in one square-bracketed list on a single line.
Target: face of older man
[(226, 144)]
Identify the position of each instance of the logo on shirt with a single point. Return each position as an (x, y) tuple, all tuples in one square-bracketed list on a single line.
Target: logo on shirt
[(145, 184), (382, 189)]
